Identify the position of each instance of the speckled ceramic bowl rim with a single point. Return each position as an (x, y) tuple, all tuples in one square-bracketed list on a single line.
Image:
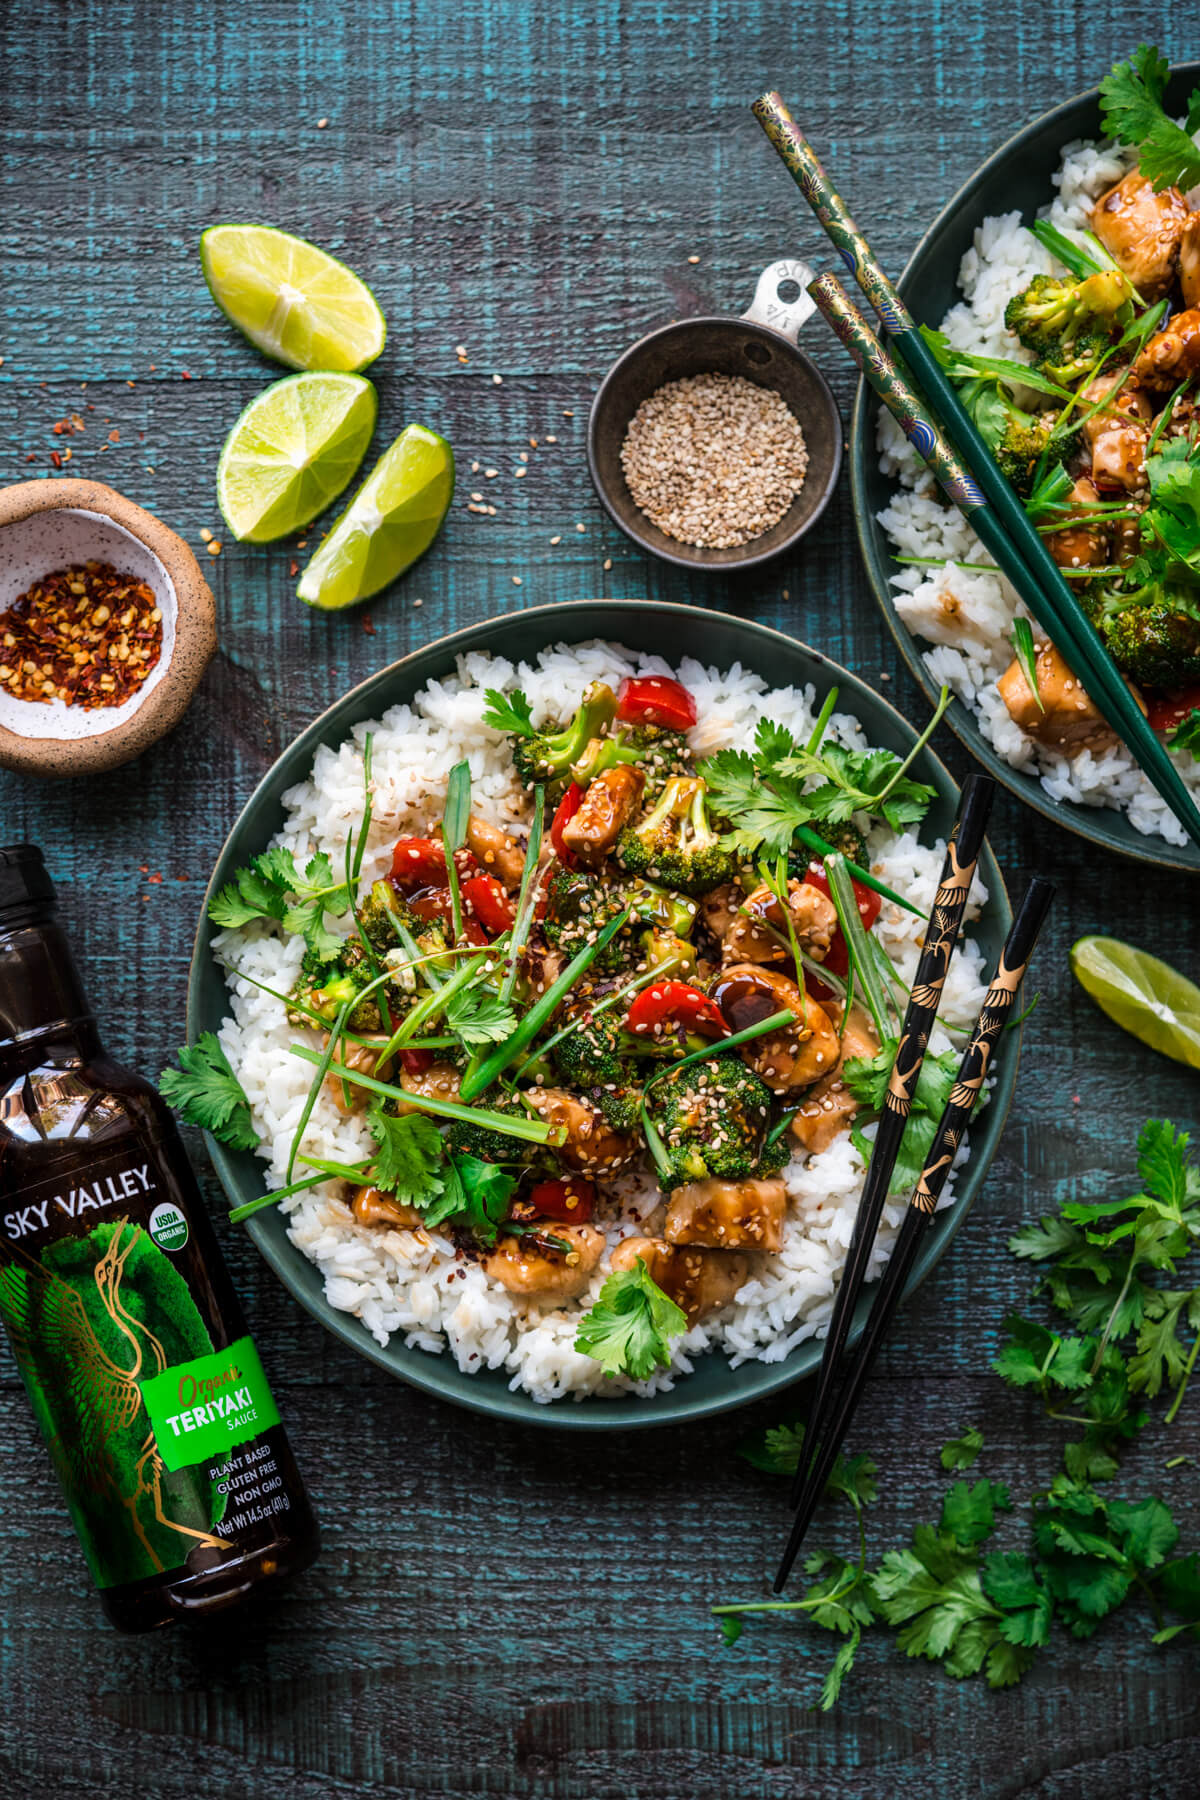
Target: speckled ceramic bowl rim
[(753, 558), (195, 631), (1093, 824), (567, 622)]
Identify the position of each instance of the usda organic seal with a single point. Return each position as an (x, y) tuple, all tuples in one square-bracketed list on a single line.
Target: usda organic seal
[(168, 1227)]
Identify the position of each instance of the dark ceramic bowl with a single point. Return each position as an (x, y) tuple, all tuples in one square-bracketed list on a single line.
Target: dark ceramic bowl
[(722, 345), (660, 630), (1016, 177)]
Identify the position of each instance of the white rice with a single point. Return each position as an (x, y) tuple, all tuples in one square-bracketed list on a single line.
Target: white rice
[(966, 615), (411, 1283)]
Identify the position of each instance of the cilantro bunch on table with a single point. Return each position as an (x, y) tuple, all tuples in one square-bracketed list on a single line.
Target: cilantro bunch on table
[(1123, 1331)]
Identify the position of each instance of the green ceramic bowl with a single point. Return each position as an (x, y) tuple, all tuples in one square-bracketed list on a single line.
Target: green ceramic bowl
[(1017, 177), (661, 630)]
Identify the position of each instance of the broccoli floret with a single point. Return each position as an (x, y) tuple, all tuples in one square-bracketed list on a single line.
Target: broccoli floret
[(546, 756), (1025, 440), (659, 753), (1068, 324), (382, 914), (712, 1118), (385, 917), (578, 905), (675, 842), (589, 1060), (588, 1056), (1152, 633), (655, 906), (494, 1146), (845, 837), (325, 987), (776, 1155)]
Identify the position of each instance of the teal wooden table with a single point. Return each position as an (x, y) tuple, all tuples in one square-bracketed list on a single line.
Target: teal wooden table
[(497, 1611)]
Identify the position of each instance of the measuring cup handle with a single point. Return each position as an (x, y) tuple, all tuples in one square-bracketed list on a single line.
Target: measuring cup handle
[(784, 316)]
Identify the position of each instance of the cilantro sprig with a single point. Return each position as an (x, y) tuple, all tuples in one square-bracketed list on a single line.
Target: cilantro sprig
[(509, 712), (770, 794), (1131, 103), (631, 1328), (204, 1091), (272, 887), (1186, 735)]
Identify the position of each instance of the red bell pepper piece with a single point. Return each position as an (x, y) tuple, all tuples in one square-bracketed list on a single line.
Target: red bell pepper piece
[(870, 904), (655, 700), (573, 1201), (568, 806), (434, 903), (671, 1003), (489, 901), (417, 863), (1167, 711)]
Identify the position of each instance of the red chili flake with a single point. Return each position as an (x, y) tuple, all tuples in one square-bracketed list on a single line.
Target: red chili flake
[(56, 459), (368, 624), (186, 373), (114, 437), (32, 457), (154, 880), (293, 568), (143, 868), (86, 635)]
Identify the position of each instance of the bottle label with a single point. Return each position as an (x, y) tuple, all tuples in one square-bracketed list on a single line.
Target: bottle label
[(157, 1433), (203, 1407)]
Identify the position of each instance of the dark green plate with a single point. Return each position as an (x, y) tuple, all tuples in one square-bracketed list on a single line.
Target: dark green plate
[(666, 631), (1017, 177)]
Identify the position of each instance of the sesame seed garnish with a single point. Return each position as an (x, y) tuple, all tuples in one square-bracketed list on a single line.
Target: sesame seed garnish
[(714, 460)]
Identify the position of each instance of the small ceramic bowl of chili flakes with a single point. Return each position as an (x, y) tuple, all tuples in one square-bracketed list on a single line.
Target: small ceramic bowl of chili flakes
[(106, 626)]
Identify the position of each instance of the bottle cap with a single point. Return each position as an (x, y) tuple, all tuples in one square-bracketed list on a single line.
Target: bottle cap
[(24, 881)]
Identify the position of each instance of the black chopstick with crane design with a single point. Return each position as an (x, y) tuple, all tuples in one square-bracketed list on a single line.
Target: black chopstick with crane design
[(945, 923), (995, 1017)]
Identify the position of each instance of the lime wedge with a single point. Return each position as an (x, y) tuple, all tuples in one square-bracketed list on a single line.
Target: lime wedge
[(293, 451), (1143, 995), (391, 521), (293, 301)]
